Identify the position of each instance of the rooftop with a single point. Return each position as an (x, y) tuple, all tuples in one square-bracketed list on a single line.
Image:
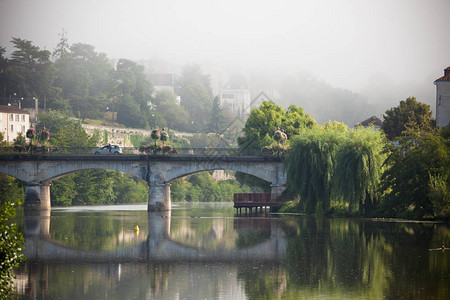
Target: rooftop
[(12, 109), (446, 76), (373, 120)]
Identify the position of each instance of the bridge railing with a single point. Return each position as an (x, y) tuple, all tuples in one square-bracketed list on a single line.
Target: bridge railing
[(206, 151)]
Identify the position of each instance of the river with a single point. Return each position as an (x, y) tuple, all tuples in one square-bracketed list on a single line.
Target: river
[(206, 251)]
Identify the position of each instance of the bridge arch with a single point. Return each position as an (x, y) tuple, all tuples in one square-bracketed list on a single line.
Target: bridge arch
[(209, 170)]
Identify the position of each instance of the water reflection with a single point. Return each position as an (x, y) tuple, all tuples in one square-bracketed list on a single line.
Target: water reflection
[(197, 254)]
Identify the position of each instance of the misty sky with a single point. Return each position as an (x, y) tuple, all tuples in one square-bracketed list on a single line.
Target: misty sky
[(366, 46)]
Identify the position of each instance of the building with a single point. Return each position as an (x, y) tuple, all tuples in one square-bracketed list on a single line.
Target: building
[(236, 102), (13, 121), (372, 121), (443, 99), (162, 81)]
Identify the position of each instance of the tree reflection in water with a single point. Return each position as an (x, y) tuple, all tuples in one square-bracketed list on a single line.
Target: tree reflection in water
[(314, 257)]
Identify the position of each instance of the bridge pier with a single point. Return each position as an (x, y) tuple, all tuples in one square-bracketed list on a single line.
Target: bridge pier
[(37, 223), (159, 196), (276, 190), (37, 196)]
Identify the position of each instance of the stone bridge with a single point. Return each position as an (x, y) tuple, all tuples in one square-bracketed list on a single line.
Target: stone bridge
[(157, 246), (38, 171)]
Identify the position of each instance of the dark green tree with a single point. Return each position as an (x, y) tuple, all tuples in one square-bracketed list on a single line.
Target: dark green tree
[(195, 91), (132, 91), (216, 119), (11, 243), (11, 240), (82, 76), (410, 113), (166, 104), (29, 72), (414, 165)]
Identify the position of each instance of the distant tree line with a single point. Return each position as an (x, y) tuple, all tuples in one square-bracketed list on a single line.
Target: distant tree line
[(80, 82)]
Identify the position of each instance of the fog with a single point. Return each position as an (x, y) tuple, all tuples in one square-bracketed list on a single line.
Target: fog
[(375, 52)]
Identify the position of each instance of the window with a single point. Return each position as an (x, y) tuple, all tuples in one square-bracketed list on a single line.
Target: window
[(1, 127), (17, 118), (1, 116), (23, 118), (12, 128), (227, 96), (23, 128), (11, 117)]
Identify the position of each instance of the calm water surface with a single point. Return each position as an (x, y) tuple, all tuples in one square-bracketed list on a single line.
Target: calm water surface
[(204, 251)]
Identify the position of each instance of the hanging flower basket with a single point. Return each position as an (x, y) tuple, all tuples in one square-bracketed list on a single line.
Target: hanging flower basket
[(45, 135), (155, 134), (31, 133), (164, 136), (168, 149), (280, 136)]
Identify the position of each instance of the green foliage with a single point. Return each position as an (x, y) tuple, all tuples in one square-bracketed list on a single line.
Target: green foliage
[(65, 132), (440, 196), (310, 166), (202, 187), (29, 71), (264, 121), (11, 244), (335, 166), (195, 91), (11, 189), (97, 187), (105, 137), (217, 118), (410, 114), (210, 140), (418, 166), (133, 91), (359, 166)]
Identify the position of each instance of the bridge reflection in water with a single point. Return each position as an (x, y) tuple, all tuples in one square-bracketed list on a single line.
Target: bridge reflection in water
[(145, 266), (157, 246)]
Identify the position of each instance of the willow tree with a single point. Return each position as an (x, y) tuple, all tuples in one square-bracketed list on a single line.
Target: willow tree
[(359, 166), (310, 165)]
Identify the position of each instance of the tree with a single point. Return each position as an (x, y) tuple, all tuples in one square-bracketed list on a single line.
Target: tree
[(216, 120), (65, 132), (195, 91), (409, 114), (416, 167), (266, 119), (310, 166), (11, 243), (82, 76), (133, 92), (11, 240), (29, 72), (359, 166), (3, 77)]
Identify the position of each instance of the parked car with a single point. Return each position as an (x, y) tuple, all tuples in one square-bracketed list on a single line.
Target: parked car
[(108, 149)]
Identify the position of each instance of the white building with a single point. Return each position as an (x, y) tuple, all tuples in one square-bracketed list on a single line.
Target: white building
[(443, 99), (13, 121), (236, 101)]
